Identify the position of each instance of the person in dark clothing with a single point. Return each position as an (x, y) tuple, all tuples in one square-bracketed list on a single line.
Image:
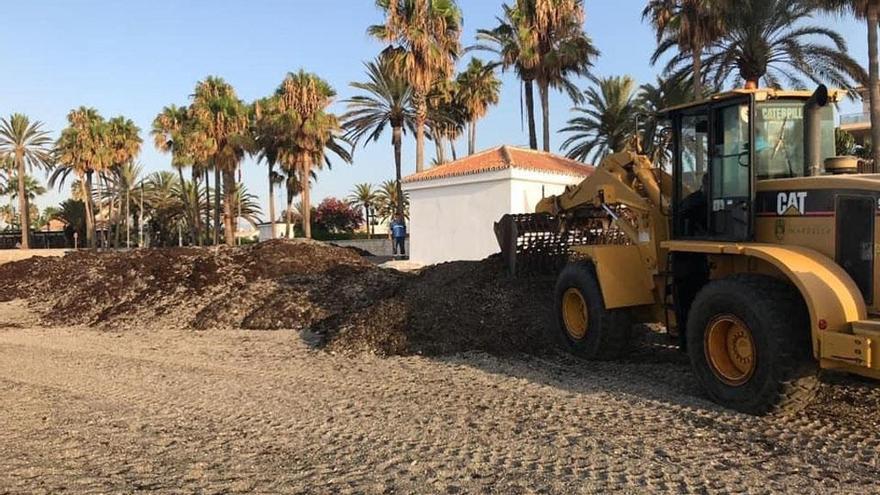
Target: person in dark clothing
[(398, 236), (694, 210)]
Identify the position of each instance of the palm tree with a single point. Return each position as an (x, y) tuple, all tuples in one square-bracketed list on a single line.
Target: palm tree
[(478, 90), (82, 150), (124, 142), (512, 42), (386, 102), (559, 49), (310, 129), (691, 26), (388, 201), (72, 213), (446, 117), (172, 133), (364, 196), (164, 210), (293, 187), (247, 206), (768, 41), (607, 120), (47, 215), (652, 100), (125, 181), (868, 10), (268, 138), (32, 188), (423, 38), (30, 147), (222, 124)]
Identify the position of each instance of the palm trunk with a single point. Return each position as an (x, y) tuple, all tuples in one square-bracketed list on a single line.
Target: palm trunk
[(229, 216), (530, 111), (472, 137), (544, 90), (24, 214), (87, 202), (127, 215), (288, 217), (109, 223), (306, 197), (117, 235), (114, 235), (367, 218), (697, 68), (187, 206), (207, 205), (197, 213), (452, 149), (874, 81), (217, 189), (271, 201), (441, 150), (102, 187), (421, 105), (397, 141)]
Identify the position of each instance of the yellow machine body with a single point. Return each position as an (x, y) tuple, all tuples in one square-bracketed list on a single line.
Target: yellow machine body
[(796, 231)]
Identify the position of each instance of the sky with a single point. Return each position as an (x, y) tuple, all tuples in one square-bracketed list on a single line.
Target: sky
[(133, 57)]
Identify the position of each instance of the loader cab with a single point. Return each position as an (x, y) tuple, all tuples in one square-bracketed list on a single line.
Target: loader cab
[(723, 145)]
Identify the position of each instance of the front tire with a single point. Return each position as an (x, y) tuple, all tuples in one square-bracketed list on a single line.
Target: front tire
[(584, 327), (749, 344)]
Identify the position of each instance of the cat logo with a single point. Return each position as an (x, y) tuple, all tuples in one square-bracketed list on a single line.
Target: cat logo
[(791, 203)]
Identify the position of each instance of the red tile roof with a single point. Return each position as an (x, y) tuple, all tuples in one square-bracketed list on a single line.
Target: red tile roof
[(504, 157)]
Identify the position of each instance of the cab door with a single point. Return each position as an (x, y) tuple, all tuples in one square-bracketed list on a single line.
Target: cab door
[(691, 173), (730, 172)]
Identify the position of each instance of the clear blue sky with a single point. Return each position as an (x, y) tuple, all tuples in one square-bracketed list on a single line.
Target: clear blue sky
[(133, 57)]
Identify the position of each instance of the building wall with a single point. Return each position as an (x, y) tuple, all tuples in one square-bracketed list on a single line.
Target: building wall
[(376, 247), (265, 231), (452, 219), (528, 187)]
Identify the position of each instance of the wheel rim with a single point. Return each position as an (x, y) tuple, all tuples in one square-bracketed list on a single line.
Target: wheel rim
[(730, 350), (575, 313)]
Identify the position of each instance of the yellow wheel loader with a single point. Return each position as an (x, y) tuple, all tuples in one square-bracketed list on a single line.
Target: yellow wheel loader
[(753, 243)]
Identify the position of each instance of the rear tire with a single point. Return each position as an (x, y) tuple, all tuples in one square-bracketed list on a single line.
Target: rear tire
[(592, 332), (749, 345)]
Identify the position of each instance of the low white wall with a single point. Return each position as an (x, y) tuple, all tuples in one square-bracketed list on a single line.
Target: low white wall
[(8, 255), (377, 247)]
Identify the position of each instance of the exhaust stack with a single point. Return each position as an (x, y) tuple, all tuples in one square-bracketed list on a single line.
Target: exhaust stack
[(813, 131)]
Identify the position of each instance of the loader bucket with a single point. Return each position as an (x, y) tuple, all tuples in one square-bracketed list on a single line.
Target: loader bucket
[(543, 242), (532, 242)]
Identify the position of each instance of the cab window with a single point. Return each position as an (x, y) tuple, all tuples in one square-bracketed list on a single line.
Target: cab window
[(730, 160), (693, 187), (779, 138)]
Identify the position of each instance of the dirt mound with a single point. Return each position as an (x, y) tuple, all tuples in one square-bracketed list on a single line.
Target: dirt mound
[(359, 251), (201, 288), (458, 306), (352, 305)]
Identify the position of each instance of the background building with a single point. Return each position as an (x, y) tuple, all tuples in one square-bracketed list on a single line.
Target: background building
[(859, 124), (453, 207)]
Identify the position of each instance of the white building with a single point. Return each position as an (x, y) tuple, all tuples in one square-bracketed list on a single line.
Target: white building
[(266, 231), (453, 207)]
